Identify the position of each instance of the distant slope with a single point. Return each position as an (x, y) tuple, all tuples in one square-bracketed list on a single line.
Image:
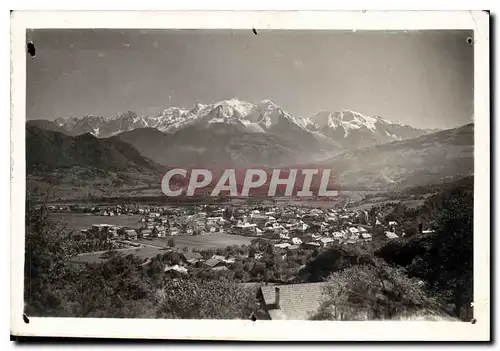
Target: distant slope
[(428, 159), (224, 144), (47, 125), (61, 167), (47, 150)]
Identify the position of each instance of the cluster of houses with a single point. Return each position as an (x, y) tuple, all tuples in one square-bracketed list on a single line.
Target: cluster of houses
[(190, 260), (182, 221), (289, 226)]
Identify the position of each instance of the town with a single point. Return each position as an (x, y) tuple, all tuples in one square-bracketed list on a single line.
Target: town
[(286, 228)]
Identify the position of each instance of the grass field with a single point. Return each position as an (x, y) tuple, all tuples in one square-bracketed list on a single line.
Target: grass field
[(142, 252), (78, 221), (200, 241), (191, 242)]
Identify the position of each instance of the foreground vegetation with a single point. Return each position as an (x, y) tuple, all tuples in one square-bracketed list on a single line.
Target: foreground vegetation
[(424, 272)]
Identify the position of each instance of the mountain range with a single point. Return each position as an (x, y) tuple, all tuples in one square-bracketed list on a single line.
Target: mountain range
[(324, 130), (364, 151)]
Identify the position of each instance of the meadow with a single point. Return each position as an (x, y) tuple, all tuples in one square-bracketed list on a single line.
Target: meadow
[(200, 241), (79, 221)]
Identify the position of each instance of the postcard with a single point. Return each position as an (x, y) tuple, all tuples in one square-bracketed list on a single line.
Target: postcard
[(251, 175)]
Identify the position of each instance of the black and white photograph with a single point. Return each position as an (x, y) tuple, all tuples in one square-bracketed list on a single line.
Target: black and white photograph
[(254, 174)]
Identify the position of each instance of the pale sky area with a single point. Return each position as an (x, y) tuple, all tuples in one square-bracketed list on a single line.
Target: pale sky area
[(421, 78)]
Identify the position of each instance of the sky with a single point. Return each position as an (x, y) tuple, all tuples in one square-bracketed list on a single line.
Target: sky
[(421, 78)]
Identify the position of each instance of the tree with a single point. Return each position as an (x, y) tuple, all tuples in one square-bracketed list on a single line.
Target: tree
[(270, 249), (373, 291), (205, 299), (185, 249), (171, 243), (443, 259), (448, 265), (121, 232), (335, 258), (47, 247)]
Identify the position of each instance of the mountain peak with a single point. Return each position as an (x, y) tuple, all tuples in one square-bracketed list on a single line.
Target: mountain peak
[(346, 128)]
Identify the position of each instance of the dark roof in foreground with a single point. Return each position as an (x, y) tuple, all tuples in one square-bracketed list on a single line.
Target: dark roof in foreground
[(297, 301)]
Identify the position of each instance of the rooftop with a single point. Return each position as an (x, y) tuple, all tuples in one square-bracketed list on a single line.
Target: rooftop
[(297, 301)]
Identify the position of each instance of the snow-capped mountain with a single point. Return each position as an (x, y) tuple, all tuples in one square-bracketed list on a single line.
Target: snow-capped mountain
[(352, 129), (340, 129)]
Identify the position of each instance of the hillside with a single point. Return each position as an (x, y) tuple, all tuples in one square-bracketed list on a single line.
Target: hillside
[(433, 158), (63, 166), (224, 144), (47, 150)]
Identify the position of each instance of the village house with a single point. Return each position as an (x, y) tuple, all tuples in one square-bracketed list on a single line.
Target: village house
[(130, 234), (366, 236), (391, 235), (192, 257), (176, 268), (302, 227), (145, 233), (325, 242), (173, 231), (338, 235), (284, 235), (315, 236), (223, 259), (292, 301), (354, 232), (282, 245), (212, 263)]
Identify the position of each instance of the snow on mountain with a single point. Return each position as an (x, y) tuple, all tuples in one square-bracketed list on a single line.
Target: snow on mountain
[(344, 128), (346, 119), (353, 129)]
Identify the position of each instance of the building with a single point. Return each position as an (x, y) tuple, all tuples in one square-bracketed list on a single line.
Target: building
[(326, 241), (131, 234), (212, 263), (366, 236), (176, 268), (391, 235), (292, 301), (192, 257), (146, 233), (219, 268)]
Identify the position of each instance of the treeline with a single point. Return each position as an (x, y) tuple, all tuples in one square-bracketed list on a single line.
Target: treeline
[(443, 259), (427, 272)]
